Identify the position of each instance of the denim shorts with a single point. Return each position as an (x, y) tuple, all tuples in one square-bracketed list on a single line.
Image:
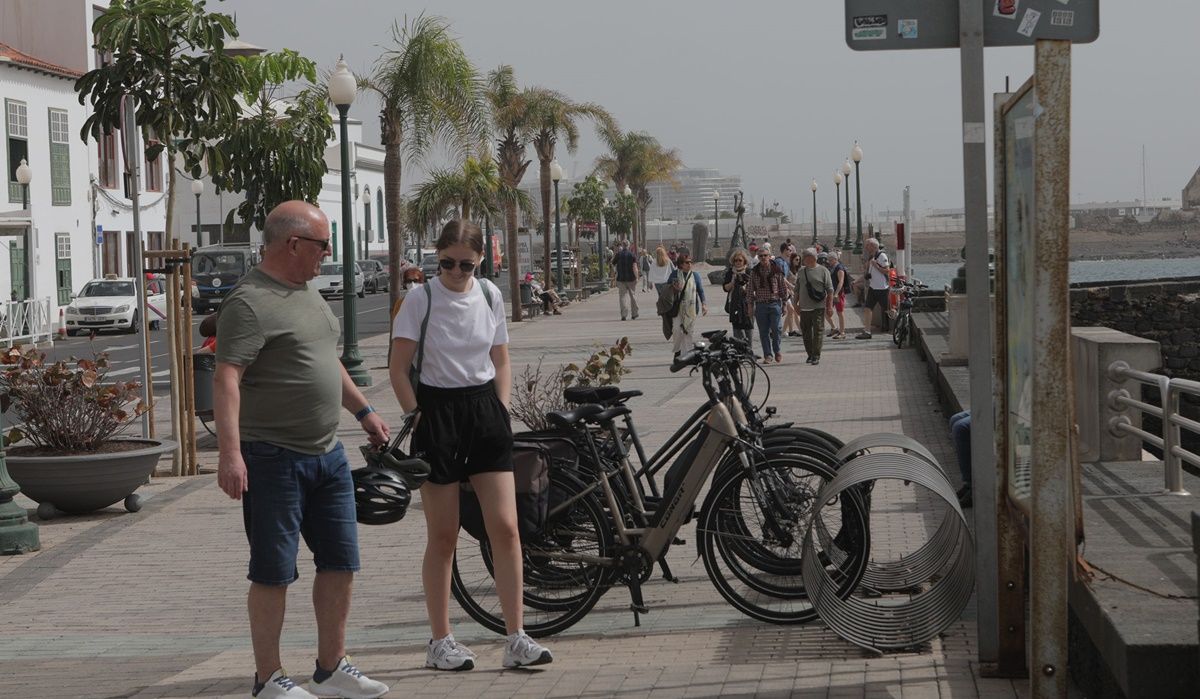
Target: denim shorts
[(292, 495)]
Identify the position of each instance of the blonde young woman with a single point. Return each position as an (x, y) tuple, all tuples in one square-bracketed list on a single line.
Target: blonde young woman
[(660, 269)]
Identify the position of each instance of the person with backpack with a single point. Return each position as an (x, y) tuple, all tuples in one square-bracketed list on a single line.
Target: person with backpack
[(767, 289), (451, 366), (812, 295), (841, 286), (689, 301)]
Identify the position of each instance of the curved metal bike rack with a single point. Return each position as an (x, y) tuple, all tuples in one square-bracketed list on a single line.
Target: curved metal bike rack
[(938, 578), (879, 440)]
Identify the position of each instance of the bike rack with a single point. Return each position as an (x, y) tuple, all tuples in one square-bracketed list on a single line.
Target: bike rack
[(935, 582)]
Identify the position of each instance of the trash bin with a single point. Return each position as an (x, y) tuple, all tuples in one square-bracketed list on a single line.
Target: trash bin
[(204, 370), (526, 294)]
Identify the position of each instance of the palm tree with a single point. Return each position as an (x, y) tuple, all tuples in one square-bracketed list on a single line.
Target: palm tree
[(510, 119), (621, 162), (654, 163), (553, 116), (429, 92), (473, 184)]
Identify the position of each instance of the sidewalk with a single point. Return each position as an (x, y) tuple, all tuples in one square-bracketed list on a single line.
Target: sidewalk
[(153, 604)]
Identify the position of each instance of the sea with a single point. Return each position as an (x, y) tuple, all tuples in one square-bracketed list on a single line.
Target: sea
[(938, 274)]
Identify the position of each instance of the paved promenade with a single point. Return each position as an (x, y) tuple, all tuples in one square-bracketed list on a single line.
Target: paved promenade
[(153, 604)]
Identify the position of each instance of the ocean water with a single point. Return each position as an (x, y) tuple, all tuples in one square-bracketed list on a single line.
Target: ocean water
[(939, 274)]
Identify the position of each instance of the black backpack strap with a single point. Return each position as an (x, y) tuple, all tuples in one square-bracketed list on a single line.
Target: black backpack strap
[(486, 287), (415, 372)]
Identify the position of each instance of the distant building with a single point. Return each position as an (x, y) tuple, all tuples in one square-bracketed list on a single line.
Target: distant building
[(691, 198), (1191, 193)]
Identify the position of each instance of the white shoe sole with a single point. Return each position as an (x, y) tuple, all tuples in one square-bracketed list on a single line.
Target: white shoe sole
[(330, 692), (467, 665), (544, 659)]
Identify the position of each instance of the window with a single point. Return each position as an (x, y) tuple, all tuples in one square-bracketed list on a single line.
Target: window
[(110, 177), (60, 158), (154, 174), (62, 267), (62, 246), (16, 119)]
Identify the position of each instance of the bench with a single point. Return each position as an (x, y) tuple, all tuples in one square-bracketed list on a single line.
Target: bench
[(575, 294), (530, 306)]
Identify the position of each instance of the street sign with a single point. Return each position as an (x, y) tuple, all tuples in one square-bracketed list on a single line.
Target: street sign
[(99, 234), (888, 25)]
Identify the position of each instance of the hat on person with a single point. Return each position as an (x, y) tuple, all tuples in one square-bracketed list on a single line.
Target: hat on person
[(529, 276), (765, 247), (822, 257)]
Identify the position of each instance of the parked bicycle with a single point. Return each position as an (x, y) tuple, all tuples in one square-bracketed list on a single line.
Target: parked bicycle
[(902, 332)]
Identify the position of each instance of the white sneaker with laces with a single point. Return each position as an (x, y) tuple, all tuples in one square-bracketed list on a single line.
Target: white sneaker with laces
[(448, 654), (280, 686), (523, 651), (348, 682)]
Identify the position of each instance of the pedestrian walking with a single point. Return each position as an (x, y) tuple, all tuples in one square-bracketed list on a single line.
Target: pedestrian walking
[(813, 294), (279, 388), (626, 272), (455, 328), (841, 286), (644, 265), (660, 270), (878, 283), (737, 303), (691, 301), (768, 290), (791, 315)]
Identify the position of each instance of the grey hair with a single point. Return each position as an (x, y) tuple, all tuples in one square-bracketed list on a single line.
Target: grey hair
[(810, 252), (834, 255), (280, 226), (871, 241)]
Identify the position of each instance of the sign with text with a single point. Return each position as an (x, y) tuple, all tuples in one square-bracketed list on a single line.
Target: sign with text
[(884, 25)]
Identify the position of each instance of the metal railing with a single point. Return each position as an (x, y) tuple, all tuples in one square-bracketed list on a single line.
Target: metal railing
[(25, 322), (1171, 420)]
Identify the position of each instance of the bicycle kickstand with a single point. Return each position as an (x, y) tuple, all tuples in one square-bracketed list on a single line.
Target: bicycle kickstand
[(637, 604), (666, 571)]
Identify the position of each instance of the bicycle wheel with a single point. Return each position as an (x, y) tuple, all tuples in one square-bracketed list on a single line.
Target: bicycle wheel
[(736, 514), (900, 334), (563, 568)]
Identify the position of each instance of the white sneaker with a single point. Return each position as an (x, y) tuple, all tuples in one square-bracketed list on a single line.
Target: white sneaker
[(348, 681), (448, 654), (280, 686), (522, 651)]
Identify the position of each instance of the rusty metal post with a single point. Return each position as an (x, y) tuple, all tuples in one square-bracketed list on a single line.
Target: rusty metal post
[(189, 374), (1051, 538), (178, 468)]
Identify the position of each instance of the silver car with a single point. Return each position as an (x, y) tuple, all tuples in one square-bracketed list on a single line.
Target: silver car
[(375, 276)]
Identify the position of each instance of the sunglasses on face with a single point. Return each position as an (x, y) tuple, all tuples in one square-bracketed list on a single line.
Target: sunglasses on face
[(464, 265), (323, 244)]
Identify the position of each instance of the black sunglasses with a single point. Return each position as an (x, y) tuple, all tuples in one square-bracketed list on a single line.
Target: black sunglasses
[(464, 265), (323, 243)]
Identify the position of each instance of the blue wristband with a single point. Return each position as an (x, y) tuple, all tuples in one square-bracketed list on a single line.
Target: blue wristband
[(363, 413)]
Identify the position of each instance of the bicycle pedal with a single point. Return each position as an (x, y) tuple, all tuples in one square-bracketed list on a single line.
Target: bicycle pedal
[(639, 609)]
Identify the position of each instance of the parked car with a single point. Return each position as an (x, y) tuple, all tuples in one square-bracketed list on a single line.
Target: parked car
[(111, 304), (215, 271), (329, 281), (569, 261), (429, 264), (375, 276)]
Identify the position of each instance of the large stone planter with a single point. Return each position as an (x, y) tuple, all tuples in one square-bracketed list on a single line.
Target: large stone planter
[(86, 482)]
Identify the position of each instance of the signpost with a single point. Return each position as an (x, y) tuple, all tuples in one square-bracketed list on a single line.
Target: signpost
[(970, 25)]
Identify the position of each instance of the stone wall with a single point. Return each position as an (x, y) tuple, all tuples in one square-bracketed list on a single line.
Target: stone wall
[(1166, 312)]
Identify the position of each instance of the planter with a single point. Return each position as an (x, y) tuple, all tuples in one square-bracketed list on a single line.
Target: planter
[(81, 483)]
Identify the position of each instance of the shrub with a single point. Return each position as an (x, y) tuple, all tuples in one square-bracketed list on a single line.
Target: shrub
[(65, 408), (538, 390)]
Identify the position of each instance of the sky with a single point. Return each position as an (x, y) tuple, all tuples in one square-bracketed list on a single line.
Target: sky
[(769, 90)]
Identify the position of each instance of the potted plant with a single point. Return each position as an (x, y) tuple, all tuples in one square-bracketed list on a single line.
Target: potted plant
[(75, 459)]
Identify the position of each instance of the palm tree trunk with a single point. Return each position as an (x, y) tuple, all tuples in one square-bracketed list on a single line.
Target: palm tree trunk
[(544, 177), (511, 259), (392, 170)]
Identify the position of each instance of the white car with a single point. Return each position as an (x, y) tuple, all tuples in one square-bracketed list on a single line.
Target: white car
[(329, 281), (111, 304)]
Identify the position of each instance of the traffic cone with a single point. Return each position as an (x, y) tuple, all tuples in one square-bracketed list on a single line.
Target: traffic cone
[(62, 325)]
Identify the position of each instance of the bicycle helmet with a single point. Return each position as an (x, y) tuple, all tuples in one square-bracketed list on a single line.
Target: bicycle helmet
[(380, 495), (412, 470)]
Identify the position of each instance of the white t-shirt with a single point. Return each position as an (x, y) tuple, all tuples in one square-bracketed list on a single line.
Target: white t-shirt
[(659, 275), (461, 334), (879, 280)]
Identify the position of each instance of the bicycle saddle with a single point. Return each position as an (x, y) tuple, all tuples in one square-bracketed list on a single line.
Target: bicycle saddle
[(626, 395), (590, 394), (567, 418), (610, 414)]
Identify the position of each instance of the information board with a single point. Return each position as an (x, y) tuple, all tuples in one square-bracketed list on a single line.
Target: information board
[(888, 25)]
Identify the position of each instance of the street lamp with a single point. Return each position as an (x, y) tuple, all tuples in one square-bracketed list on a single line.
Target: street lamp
[(342, 88), (602, 248), (857, 155), (716, 217), (556, 174), (24, 175), (837, 208), (366, 234), (846, 173), (813, 187), (633, 241), (197, 190)]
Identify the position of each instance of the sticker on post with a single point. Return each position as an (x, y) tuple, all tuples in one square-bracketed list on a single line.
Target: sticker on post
[(1006, 8), (1029, 22), (1062, 18), (974, 132), (868, 27), (907, 29)]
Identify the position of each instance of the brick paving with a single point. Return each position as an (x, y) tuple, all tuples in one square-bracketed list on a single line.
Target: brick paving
[(153, 604)]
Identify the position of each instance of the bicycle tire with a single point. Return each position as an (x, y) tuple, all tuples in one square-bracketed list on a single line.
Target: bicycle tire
[(584, 583), (900, 334), (749, 598)]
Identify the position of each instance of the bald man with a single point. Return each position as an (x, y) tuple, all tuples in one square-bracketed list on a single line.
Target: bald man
[(279, 388)]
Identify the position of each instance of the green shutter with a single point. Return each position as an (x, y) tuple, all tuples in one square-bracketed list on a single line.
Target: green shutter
[(60, 159), (63, 276)]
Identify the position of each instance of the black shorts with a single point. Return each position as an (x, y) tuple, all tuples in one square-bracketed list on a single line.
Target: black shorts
[(462, 431), (878, 297)]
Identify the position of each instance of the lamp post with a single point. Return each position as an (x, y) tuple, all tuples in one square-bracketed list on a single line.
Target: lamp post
[(366, 236), (857, 155), (556, 174), (813, 187), (629, 193), (601, 248), (342, 88), (487, 244), (197, 190), (837, 208), (716, 218), (846, 173), (24, 175)]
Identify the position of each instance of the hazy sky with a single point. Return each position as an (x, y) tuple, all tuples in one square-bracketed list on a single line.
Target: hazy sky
[(770, 91)]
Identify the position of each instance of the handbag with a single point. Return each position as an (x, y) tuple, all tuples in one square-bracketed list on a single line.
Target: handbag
[(674, 310), (813, 293)]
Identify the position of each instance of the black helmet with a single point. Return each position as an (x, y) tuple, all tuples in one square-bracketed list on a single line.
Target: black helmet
[(380, 495), (413, 471)]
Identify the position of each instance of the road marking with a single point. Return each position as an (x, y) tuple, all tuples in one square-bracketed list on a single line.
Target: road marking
[(135, 370)]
